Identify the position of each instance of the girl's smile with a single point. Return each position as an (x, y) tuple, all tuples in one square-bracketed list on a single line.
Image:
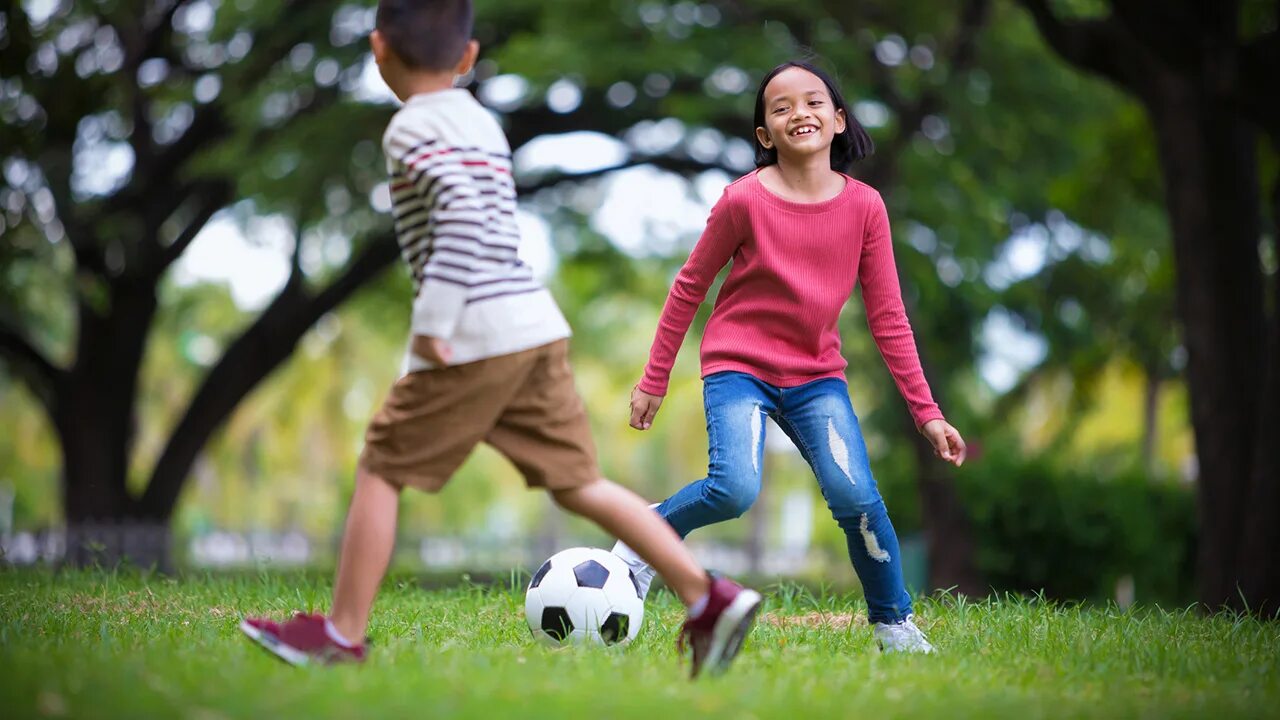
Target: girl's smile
[(800, 117)]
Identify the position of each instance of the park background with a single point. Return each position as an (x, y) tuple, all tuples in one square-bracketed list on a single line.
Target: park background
[(201, 306)]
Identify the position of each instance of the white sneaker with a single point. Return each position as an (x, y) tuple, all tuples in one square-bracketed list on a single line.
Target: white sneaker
[(902, 637), (640, 569)]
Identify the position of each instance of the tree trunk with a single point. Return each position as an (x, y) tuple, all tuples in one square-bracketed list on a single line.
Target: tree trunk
[(1260, 583), (94, 417), (1209, 164), (109, 544)]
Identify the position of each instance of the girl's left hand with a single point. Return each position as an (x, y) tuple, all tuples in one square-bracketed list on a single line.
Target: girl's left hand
[(946, 440)]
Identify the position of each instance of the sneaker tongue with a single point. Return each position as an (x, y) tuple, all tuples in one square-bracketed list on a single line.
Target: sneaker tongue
[(700, 606), (336, 636)]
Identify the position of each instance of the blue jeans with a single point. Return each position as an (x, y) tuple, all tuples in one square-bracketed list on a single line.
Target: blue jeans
[(818, 418)]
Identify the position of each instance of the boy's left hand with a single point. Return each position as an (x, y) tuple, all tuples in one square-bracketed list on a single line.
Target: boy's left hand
[(432, 349), (946, 441)]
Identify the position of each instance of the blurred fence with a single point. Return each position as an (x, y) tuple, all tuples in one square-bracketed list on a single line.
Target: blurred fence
[(230, 550)]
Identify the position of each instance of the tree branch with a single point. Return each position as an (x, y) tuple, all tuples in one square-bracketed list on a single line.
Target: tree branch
[(253, 356), (1095, 45), (30, 365), (214, 198)]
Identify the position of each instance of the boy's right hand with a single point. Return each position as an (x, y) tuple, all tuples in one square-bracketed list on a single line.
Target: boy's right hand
[(643, 407), (432, 349)]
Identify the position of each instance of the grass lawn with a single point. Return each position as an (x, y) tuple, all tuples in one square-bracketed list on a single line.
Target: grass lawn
[(129, 645)]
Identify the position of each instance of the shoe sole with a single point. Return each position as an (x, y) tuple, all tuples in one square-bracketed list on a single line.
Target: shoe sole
[(272, 644), (731, 630)]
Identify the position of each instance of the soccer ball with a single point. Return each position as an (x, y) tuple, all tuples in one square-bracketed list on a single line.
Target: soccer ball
[(584, 595)]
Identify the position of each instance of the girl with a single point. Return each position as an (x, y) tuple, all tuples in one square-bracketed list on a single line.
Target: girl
[(800, 233)]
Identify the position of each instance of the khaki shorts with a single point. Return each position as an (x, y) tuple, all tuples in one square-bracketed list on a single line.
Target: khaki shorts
[(524, 404)]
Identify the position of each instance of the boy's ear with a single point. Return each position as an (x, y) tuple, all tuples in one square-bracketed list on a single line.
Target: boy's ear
[(378, 45), (468, 59)]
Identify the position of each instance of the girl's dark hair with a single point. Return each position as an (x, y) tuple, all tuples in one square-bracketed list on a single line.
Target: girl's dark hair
[(847, 147)]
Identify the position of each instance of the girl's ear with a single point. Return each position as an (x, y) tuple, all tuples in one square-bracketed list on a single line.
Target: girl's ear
[(762, 137), (841, 121)]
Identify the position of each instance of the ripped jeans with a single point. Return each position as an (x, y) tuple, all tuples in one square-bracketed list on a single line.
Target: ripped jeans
[(820, 421)]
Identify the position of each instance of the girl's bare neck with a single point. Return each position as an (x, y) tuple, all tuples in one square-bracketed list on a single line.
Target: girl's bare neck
[(807, 182)]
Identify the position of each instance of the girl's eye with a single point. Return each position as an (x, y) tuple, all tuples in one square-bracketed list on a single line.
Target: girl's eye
[(781, 109), (815, 103)]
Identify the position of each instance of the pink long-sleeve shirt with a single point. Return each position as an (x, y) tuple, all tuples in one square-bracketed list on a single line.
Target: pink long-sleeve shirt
[(794, 266)]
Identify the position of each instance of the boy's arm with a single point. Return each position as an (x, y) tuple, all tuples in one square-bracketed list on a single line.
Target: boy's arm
[(887, 317), (453, 210), (719, 241)]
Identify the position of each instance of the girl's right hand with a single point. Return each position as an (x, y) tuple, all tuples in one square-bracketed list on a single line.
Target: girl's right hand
[(643, 407)]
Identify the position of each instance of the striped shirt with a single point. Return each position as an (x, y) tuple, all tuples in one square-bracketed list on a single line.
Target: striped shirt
[(454, 203)]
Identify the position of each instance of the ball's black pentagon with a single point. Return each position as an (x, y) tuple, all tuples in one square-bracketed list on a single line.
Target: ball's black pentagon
[(542, 572), (556, 623), (591, 574), (636, 583), (614, 628)]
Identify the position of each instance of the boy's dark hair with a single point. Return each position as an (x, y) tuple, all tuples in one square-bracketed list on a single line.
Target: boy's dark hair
[(847, 147), (426, 34)]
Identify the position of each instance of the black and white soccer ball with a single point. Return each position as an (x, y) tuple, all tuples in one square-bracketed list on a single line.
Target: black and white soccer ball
[(584, 595)]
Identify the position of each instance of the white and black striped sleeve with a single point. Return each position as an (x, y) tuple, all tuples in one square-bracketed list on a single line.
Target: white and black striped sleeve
[(449, 269)]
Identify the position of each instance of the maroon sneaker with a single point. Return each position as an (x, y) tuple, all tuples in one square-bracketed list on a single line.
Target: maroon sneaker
[(716, 633), (300, 641)]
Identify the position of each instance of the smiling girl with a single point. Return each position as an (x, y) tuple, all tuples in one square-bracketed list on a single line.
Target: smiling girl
[(801, 233)]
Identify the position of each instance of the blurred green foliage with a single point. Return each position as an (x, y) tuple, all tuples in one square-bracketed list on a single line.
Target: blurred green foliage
[(1014, 141), (1046, 525)]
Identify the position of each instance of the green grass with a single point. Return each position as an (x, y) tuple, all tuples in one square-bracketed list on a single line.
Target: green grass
[(91, 645)]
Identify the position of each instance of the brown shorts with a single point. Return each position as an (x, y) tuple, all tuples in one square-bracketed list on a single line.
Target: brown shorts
[(524, 404)]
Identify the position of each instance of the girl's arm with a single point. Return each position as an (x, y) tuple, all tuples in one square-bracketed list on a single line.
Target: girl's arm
[(887, 317), (718, 243)]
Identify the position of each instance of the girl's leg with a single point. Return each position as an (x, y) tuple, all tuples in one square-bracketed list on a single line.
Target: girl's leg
[(736, 406), (820, 420)]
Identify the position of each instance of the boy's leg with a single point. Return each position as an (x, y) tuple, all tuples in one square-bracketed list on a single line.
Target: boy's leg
[(426, 427), (736, 405), (545, 432), (624, 515), (367, 542)]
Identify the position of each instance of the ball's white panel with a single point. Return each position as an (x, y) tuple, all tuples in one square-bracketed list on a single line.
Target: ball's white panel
[(533, 608), (620, 589), (559, 584), (572, 556), (587, 608), (546, 639), (636, 612)]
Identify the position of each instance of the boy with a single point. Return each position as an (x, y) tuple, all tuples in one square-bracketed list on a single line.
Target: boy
[(488, 359)]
